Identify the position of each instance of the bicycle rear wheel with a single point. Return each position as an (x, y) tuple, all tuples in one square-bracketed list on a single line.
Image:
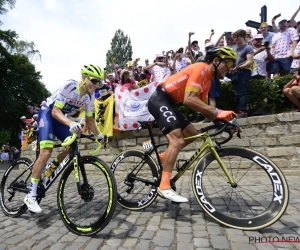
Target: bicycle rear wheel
[(88, 213), (137, 177), (16, 180), (259, 198)]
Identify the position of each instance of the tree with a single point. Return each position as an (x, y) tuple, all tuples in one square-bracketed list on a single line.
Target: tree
[(26, 48), (3, 4), (121, 50)]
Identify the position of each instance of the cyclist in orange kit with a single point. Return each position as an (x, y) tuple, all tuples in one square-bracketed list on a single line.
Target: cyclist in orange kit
[(190, 86)]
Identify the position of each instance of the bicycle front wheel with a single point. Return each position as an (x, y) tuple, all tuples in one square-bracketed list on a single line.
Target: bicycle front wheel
[(16, 180), (259, 198), (137, 177), (88, 213)]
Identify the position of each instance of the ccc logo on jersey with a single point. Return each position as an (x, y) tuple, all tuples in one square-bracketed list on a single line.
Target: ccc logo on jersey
[(167, 113)]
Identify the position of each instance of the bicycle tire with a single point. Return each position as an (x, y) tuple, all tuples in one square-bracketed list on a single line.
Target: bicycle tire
[(129, 195), (275, 204), (101, 208), (16, 206)]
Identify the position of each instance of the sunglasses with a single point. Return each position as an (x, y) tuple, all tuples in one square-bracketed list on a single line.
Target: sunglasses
[(160, 58), (94, 80), (229, 63)]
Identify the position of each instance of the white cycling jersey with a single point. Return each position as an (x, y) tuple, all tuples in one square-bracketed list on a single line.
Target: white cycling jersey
[(67, 99)]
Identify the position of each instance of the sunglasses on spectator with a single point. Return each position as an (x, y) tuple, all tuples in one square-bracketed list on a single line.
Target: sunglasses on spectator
[(160, 58), (94, 80), (229, 63)]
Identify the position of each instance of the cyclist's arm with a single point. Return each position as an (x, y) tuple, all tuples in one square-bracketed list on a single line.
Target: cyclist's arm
[(90, 122), (192, 101), (59, 116)]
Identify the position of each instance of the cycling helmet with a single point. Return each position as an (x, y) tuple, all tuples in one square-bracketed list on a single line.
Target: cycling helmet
[(222, 53), (92, 70)]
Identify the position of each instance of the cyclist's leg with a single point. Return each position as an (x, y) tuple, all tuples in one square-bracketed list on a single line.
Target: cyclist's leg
[(62, 132), (168, 122), (187, 130), (46, 146)]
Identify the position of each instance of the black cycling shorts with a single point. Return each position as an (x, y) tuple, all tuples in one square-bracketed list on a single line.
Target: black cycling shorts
[(167, 118)]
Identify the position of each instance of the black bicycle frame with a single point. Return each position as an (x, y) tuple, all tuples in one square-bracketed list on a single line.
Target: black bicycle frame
[(72, 156)]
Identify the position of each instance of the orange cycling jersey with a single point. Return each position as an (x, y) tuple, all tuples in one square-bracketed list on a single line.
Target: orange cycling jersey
[(194, 78)]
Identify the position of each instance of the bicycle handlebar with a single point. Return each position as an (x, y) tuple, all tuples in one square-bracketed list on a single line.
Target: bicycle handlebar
[(226, 127), (70, 139), (218, 124)]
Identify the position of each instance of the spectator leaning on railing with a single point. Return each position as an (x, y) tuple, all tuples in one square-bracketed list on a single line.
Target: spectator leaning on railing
[(292, 90)]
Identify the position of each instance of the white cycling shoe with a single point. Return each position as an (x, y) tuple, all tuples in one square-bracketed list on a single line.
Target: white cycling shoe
[(32, 204), (171, 195)]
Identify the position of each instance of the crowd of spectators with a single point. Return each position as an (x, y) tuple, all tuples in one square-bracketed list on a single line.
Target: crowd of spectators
[(264, 55), (9, 153)]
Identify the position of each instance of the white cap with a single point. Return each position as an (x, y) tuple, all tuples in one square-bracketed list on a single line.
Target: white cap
[(209, 44), (23, 117), (258, 36), (35, 115)]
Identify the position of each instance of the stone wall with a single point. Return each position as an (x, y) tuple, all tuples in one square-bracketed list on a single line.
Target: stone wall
[(276, 136)]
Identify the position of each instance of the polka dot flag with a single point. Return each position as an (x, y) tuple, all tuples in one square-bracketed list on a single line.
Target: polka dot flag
[(132, 106)]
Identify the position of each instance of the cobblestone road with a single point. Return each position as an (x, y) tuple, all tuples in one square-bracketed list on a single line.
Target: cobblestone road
[(163, 225)]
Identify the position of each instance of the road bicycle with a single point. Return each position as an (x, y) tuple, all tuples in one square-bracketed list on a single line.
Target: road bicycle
[(236, 186), (86, 199)]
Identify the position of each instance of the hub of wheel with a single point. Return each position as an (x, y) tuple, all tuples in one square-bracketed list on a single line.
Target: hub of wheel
[(234, 185), (87, 192)]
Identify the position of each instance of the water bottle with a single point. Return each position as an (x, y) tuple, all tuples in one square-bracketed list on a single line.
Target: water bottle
[(50, 167)]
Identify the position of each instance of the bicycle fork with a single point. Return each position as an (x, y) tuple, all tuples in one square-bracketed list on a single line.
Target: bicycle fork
[(76, 173), (223, 166)]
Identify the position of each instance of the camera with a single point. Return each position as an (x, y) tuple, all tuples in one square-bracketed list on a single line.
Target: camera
[(266, 44), (228, 35), (277, 16)]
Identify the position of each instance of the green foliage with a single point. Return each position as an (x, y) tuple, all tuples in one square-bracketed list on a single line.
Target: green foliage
[(19, 82), (4, 137), (265, 97), (121, 50), (4, 4)]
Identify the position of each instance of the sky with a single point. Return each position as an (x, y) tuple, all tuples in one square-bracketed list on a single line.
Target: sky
[(71, 33)]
